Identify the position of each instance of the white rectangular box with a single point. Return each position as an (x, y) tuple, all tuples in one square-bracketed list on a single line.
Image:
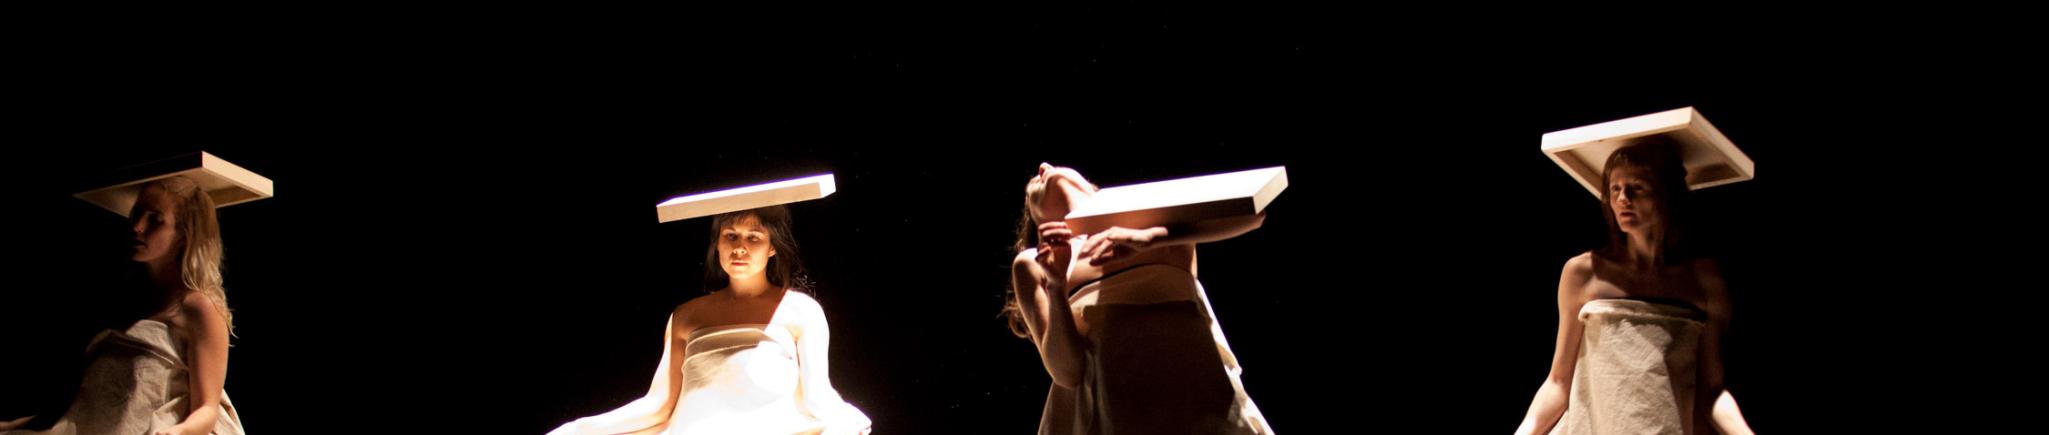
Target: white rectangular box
[(225, 182), (744, 198), (1711, 160), (1181, 200)]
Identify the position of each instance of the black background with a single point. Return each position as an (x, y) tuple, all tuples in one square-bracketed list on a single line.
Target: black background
[(462, 237)]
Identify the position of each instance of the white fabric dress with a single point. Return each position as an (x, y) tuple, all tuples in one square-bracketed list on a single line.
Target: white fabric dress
[(136, 383), (1637, 369)]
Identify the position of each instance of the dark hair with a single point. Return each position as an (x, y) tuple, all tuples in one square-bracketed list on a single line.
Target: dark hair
[(1027, 236), (1666, 170), (784, 269)]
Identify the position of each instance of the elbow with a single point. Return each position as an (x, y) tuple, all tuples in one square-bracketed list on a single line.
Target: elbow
[(1552, 399), (649, 411), (1065, 375), (662, 408), (1554, 384), (1067, 368), (1066, 380)]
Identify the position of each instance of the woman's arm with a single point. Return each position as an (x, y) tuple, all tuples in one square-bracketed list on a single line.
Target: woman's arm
[(1727, 418), (814, 338), (1552, 397), (208, 359), (1040, 277), (1120, 242), (649, 411), (15, 423)]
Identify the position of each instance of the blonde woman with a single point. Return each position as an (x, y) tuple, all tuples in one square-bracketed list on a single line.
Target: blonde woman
[(163, 374)]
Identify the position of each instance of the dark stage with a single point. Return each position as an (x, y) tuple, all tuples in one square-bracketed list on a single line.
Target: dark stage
[(467, 244)]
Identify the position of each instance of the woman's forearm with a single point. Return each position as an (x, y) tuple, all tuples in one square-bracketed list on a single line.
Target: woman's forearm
[(201, 420), (1545, 409), (640, 414), (1727, 417), (1063, 344)]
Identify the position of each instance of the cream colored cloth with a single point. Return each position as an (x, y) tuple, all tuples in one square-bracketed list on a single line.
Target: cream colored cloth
[(1637, 369), (1154, 367), (744, 379), (135, 384)]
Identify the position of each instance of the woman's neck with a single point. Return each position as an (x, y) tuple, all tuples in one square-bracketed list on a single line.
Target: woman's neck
[(165, 275), (749, 288), (1643, 250)]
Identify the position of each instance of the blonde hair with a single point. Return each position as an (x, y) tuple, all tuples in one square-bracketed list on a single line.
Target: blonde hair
[(200, 234)]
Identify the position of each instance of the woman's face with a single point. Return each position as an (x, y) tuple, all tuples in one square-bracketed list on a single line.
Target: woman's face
[(1055, 191), (1633, 199), (154, 219), (744, 248)]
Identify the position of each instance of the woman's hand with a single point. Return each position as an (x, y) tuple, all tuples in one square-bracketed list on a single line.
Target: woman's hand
[(16, 423), (1055, 233), (848, 430), (183, 429), (569, 428), (1120, 242), (1055, 248)]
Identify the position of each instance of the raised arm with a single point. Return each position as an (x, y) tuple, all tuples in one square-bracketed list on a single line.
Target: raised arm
[(1120, 242), (1040, 277)]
